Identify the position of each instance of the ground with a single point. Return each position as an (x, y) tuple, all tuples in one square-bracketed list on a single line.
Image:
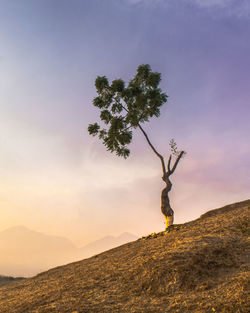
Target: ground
[(201, 266)]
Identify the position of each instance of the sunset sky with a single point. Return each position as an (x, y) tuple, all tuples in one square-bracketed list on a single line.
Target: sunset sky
[(57, 179)]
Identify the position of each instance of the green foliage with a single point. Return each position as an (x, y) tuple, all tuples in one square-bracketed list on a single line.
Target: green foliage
[(123, 108), (93, 129)]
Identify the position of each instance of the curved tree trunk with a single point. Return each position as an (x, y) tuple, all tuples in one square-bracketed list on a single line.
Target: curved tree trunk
[(165, 203), (166, 209)]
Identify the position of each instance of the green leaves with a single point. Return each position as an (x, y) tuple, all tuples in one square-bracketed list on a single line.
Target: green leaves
[(118, 85), (98, 102), (93, 129), (106, 116), (153, 79), (143, 71), (101, 83), (123, 108)]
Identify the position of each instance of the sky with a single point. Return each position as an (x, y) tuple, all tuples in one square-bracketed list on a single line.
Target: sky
[(58, 180)]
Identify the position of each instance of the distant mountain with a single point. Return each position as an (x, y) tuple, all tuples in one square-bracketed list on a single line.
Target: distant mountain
[(104, 244), (24, 252), (7, 279)]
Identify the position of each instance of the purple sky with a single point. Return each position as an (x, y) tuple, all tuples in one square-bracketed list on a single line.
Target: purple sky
[(57, 179)]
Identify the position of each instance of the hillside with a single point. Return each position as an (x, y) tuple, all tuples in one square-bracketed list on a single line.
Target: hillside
[(201, 266)]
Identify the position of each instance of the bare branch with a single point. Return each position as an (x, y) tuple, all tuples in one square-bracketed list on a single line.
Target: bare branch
[(155, 151), (169, 163), (125, 108), (176, 162)]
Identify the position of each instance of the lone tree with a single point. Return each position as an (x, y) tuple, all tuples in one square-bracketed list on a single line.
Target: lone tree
[(124, 109)]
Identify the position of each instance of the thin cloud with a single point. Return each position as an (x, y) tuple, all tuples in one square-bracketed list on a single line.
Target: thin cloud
[(230, 7), (241, 9), (211, 3)]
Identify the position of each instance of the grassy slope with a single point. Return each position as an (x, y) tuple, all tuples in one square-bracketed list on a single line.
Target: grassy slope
[(200, 266)]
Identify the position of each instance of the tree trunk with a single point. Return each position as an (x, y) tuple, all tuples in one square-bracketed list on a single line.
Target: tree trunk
[(165, 204)]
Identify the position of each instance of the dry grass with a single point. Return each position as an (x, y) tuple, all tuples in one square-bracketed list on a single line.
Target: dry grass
[(201, 266)]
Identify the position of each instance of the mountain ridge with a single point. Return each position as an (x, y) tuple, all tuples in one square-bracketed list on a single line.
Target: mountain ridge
[(25, 252)]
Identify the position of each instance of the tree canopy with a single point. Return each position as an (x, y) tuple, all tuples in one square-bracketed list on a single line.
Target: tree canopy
[(123, 108)]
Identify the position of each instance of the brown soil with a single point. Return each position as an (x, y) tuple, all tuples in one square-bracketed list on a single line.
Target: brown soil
[(201, 266)]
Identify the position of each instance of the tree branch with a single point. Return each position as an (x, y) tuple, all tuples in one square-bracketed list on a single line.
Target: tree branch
[(150, 144), (169, 163), (176, 163), (155, 151), (125, 108)]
